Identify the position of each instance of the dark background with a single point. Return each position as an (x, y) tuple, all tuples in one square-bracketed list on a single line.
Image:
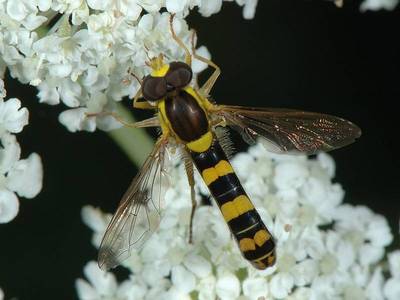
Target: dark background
[(308, 55)]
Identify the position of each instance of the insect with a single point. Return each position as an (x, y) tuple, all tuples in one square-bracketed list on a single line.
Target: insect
[(189, 120)]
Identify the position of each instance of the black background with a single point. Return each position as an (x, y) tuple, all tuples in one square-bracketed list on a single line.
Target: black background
[(308, 55)]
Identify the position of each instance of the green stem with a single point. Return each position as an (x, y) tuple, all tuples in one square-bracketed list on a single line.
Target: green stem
[(135, 142)]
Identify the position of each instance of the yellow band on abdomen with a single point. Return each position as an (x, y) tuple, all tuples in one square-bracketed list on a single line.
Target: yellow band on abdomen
[(236, 207)]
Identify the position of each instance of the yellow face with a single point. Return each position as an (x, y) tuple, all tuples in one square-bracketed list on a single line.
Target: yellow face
[(159, 68)]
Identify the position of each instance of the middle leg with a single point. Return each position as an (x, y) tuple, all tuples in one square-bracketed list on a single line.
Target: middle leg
[(190, 176)]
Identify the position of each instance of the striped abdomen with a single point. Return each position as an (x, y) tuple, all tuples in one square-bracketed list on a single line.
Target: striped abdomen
[(254, 239), (188, 120)]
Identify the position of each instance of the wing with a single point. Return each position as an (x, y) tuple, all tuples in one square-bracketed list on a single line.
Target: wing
[(286, 130), (139, 212)]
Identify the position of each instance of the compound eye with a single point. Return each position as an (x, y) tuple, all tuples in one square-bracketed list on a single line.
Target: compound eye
[(179, 74), (154, 88)]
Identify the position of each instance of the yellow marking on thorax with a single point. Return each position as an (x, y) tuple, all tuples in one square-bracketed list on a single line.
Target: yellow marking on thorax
[(202, 144), (164, 122), (161, 71), (237, 207)]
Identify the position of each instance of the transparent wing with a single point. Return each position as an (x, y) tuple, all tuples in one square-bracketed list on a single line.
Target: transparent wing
[(139, 212), (286, 130)]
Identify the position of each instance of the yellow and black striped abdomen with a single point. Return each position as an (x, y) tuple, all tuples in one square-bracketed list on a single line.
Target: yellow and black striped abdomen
[(183, 113), (254, 239)]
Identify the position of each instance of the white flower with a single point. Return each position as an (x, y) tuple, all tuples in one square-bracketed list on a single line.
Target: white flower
[(9, 206), (249, 9), (378, 4), (227, 286), (103, 285), (95, 50), (96, 221), (255, 288), (312, 263), (3, 91), (12, 117), (23, 177), (391, 289), (394, 263), (1, 294)]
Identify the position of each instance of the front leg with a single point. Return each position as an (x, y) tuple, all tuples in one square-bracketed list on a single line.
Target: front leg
[(151, 122), (141, 104), (208, 85)]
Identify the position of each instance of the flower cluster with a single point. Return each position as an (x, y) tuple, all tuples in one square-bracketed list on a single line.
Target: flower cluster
[(17, 176), (90, 57), (326, 249)]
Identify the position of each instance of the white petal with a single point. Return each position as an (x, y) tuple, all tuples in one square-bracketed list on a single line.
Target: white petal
[(70, 92), (48, 94), (10, 152), (378, 232), (32, 21), (131, 290), (228, 287), (374, 288), (394, 263), (12, 116), (9, 206), (93, 218), (206, 288), (198, 265), (44, 4), (353, 292), (17, 10), (26, 176), (182, 279), (209, 7), (3, 92), (302, 293), (176, 6), (327, 163), (60, 70), (1, 294), (391, 290), (290, 175), (305, 272), (85, 290), (378, 4), (103, 282), (255, 288), (371, 254), (76, 119), (175, 294), (97, 4), (281, 285), (249, 9)]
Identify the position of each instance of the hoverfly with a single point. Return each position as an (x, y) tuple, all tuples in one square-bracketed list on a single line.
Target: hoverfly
[(189, 119)]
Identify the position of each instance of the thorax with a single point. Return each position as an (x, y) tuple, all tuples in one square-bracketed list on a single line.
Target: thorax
[(183, 114)]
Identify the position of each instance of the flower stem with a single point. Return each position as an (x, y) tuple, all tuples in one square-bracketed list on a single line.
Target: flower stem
[(135, 142)]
